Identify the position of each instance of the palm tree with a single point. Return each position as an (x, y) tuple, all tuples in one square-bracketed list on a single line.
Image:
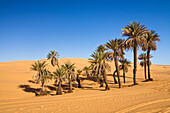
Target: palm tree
[(135, 31), (39, 67), (114, 46), (53, 55), (46, 75), (124, 66), (143, 57), (100, 66), (69, 68), (86, 69), (122, 48), (151, 38), (78, 77), (59, 76), (101, 48)]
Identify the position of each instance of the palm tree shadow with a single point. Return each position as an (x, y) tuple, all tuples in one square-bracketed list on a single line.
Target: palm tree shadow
[(91, 78), (28, 89), (31, 81), (91, 88)]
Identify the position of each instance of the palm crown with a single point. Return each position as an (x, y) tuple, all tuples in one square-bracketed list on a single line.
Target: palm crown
[(53, 55), (135, 31), (151, 37)]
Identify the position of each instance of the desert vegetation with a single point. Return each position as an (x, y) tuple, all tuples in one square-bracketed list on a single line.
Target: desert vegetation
[(138, 36)]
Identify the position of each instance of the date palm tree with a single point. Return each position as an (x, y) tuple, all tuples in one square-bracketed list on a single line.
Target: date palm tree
[(143, 63), (69, 68), (114, 46), (134, 31), (101, 48), (59, 76), (151, 38), (39, 67), (53, 55), (124, 66), (100, 66), (78, 77), (122, 48), (86, 69), (46, 75)]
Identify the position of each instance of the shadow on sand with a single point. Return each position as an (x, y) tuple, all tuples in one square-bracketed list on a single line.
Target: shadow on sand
[(65, 87)]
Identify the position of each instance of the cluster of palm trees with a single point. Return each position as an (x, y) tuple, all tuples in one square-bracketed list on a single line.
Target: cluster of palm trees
[(138, 36), (62, 73)]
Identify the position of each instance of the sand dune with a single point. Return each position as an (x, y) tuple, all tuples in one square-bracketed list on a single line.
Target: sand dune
[(145, 97)]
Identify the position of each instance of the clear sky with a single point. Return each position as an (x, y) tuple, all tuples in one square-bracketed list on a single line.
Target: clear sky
[(29, 29)]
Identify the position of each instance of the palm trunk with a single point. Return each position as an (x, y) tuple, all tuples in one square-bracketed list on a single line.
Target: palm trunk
[(117, 68), (59, 91), (87, 73), (148, 62), (135, 65), (114, 77), (43, 88), (78, 80), (145, 68), (70, 84), (123, 65), (101, 82), (105, 80)]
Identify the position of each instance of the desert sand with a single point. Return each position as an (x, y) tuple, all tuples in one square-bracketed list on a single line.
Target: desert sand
[(147, 97)]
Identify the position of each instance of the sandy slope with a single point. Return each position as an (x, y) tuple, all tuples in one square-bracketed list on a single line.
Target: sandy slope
[(146, 97)]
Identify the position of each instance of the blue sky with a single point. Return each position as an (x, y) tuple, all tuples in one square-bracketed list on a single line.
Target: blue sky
[(29, 29)]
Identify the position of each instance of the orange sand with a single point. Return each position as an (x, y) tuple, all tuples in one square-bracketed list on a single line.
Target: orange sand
[(145, 97)]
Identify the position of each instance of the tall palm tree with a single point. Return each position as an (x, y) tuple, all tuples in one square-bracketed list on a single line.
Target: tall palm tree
[(122, 48), (135, 31), (124, 66), (78, 77), (59, 76), (39, 67), (69, 68), (53, 55), (86, 69), (114, 46), (151, 38), (99, 65)]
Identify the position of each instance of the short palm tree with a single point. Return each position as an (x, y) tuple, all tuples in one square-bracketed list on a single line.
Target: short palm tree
[(69, 68), (53, 55), (78, 77), (46, 75), (39, 67), (114, 46), (101, 48), (100, 66), (86, 69), (143, 63), (151, 38), (59, 76), (135, 31), (124, 66)]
